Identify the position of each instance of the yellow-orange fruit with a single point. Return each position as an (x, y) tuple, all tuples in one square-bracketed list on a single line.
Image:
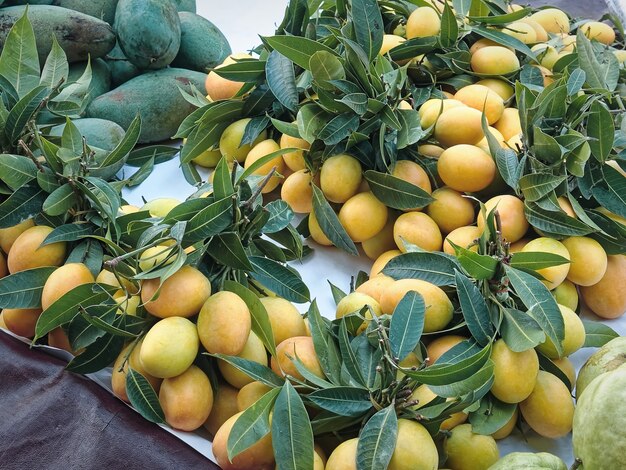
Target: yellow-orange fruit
[(298, 192), (27, 252), (552, 20), (494, 60), (521, 31), (219, 88), (413, 173), (482, 43), (160, 206), (484, 146), (439, 346), (376, 286), (316, 231), (483, 99), (224, 324), (250, 393), (294, 160), (363, 216), (419, 229), (110, 279), (260, 150), (423, 22), (253, 351), (230, 141), (449, 131), (285, 319), (8, 235), (344, 456), (439, 309), (467, 450), (414, 449), (512, 218), (499, 86), (566, 294), (463, 237), (430, 150), (518, 245), (57, 338), (181, 295), (553, 275), (224, 406), (423, 395), (355, 302), (588, 260), (382, 260), (340, 177), (450, 210), (568, 369), (515, 373), (466, 168), (507, 429), (383, 241), (129, 358), (300, 347), (21, 321), (259, 456), (541, 34), (63, 280), (546, 55), (431, 110), (509, 123), (186, 399), (607, 298), (389, 42)]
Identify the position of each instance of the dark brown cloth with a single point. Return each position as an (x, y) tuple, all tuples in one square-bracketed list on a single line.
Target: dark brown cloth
[(53, 419)]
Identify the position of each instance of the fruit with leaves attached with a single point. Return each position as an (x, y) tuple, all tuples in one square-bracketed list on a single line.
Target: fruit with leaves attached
[(169, 347), (154, 256), (553, 275), (57, 338), (207, 159), (415, 449), (588, 260), (259, 456), (63, 280), (448, 131), (295, 159), (419, 229), (413, 173), (363, 216), (450, 210), (469, 451), (230, 141), (252, 351), (129, 357), (355, 302), (423, 395), (224, 324), (483, 99), (300, 347), (606, 359), (220, 88), (438, 307), (439, 346), (297, 191), (552, 20), (494, 60), (549, 408), (509, 426), (515, 373), (277, 163), (511, 211), (316, 231), (182, 294), (110, 279), (340, 177), (224, 406), (541, 34), (250, 393), (466, 168), (285, 319), (186, 399), (160, 206), (574, 336), (344, 456), (431, 110), (21, 321), (521, 31), (389, 42), (382, 260), (463, 237), (604, 298), (27, 252), (423, 22), (529, 461)]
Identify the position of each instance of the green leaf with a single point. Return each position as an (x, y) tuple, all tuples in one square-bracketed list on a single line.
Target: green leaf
[(343, 401), (477, 266), (347, 353), (128, 142), (222, 183), (367, 23), (337, 293), (297, 49), (407, 324), (597, 334), (545, 147), (160, 153), (292, 436), (68, 233), (81, 333), (142, 173), (252, 425), (536, 260), (541, 304), (19, 62), (72, 138), (479, 383), (612, 191), (261, 324), (504, 40), (326, 67), (227, 249), (462, 7), (281, 80), (23, 289), (598, 75), (22, 112), (60, 200), (411, 132), (555, 222), (507, 163), (311, 118), (520, 331), (395, 192), (16, 170), (339, 128), (576, 81), (325, 346), (280, 216), (248, 70), (601, 130), (475, 310), (377, 440), (491, 416), (23, 204), (449, 32), (432, 267), (282, 280), (289, 128), (90, 253), (56, 67), (97, 355), (143, 397), (413, 47), (329, 223), (502, 19), (209, 221), (536, 186), (73, 95), (253, 369)]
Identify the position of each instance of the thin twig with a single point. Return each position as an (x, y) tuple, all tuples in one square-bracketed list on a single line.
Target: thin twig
[(30, 155)]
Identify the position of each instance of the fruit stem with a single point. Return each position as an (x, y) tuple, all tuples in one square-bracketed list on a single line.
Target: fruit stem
[(30, 155), (577, 463), (247, 204)]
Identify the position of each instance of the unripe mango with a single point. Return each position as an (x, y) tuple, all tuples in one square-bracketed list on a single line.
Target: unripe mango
[(202, 44), (170, 347)]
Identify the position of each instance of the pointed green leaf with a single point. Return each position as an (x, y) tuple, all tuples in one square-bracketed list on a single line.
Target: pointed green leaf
[(520, 331), (143, 397), (252, 369), (343, 401), (449, 32), (329, 223), (601, 129), (282, 280), (475, 310), (377, 440), (367, 23), (281, 80), (297, 49), (536, 260), (19, 62), (395, 192), (407, 324), (535, 186), (56, 67), (16, 170), (598, 334), (432, 267), (23, 289), (98, 355), (22, 112)]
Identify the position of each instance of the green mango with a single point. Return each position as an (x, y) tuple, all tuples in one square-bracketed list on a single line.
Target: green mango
[(529, 461), (185, 5), (100, 77), (121, 68), (99, 133), (102, 9), (202, 44)]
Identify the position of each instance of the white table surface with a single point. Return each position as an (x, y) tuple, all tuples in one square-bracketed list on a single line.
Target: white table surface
[(242, 21)]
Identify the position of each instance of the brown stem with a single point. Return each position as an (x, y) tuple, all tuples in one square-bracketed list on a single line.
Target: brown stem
[(577, 463), (258, 191), (30, 155)]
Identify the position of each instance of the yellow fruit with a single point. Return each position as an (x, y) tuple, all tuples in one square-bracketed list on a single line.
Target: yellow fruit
[(567, 43), (57, 338), (250, 393), (507, 429), (484, 146), (21, 321), (277, 163), (439, 309), (259, 456), (128, 209), (568, 369), (466, 168), (588, 260), (605, 298), (429, 150), (363, 216), (494, 60), (129, 357), (300, 347), (554, 275), (344, 456), (128, 305), (27, 252), (389, 42), (574, 336), (294, 160), (521, 31), (419, 229), (463, 237), (63, 280), (181, 295), (450, 210), (483, 99), (110, 279), (186, 399), (224, 324), (469, 451), (499, 86), (161, 206), (413, 173), (285, 319), (376, 286), (355, 302), (415, 449), (8, 235), (540, 33), (439, 346), (253, 351), (340, 177), (549, 409), (230, 141), (155, 255), (219, 88), (515, 373), (482, 43), (316, 231), (224, 406), (512, 218), (382, 260), (423, 22), (509, 124), (298, 192), (424, 395), (169, 347), (208, 159), (383, 241), (566, 294), (461, 125), (552, 20), (431, 110)]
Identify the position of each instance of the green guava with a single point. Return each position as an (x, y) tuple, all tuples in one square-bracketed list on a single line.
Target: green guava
[(529, 461), (608, 357)]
